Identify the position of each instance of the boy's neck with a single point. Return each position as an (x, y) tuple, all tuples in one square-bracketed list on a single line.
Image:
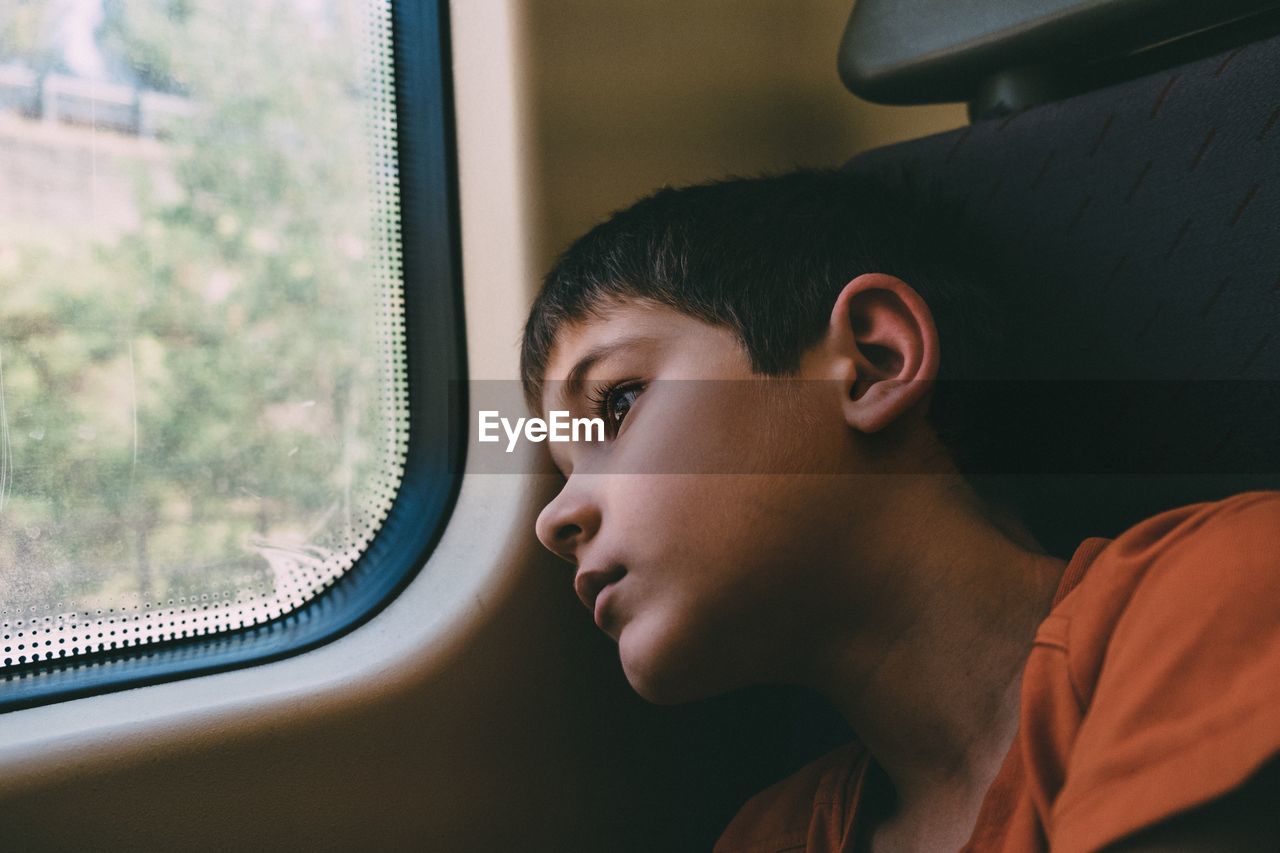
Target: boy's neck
[(932, 687)]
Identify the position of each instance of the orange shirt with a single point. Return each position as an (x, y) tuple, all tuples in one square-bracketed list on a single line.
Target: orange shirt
[(1153, 687)]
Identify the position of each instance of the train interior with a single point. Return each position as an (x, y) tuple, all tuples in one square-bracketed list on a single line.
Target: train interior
[(1119, 160)]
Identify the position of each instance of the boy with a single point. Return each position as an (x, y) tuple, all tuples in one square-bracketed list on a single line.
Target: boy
[(775, 355)]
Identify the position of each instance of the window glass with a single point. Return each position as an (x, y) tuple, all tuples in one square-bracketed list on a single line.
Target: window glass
[(203, 417)]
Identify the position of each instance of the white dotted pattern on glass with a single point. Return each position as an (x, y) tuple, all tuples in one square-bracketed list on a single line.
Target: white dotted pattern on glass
[(203, 411)]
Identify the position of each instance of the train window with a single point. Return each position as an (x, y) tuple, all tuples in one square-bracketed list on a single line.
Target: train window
[(204, 369)]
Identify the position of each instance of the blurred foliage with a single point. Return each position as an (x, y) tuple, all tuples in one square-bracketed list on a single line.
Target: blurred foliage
[(208, 379), (23, 35)]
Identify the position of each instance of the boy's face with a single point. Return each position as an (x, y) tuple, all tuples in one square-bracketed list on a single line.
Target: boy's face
[(703, 532)]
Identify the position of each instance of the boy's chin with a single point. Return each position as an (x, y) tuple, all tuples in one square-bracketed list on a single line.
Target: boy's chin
[(663, 673)]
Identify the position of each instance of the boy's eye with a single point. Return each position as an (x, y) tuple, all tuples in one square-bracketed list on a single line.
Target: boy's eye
[(613, 404), (620, 403)]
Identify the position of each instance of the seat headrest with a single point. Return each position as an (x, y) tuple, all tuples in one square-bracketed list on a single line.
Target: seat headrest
[(1005, 54), (1138, 230)]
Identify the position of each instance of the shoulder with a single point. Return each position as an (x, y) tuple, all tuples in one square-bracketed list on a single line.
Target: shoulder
[(781, 817), (1243, 528), (1212, 566), (1174, 650), (1219, 561)]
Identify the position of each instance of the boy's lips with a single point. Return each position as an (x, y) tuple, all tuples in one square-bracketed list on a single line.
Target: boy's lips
[(590, 583)]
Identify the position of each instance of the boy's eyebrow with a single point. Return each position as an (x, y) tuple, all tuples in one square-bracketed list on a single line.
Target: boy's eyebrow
[(573, 383)]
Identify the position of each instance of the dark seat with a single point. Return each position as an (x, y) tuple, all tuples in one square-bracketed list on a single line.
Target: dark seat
[(1138, 228)]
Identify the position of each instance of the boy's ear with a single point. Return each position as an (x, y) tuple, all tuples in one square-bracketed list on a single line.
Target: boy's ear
[(883, 348)]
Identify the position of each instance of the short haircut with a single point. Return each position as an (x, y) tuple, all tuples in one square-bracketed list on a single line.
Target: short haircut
[(766, 258)]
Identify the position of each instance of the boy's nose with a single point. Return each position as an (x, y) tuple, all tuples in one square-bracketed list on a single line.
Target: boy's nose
[(567, 523)]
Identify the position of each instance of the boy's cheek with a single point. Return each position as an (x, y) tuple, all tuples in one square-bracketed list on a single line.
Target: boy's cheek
[(696, 428), (679, 446)]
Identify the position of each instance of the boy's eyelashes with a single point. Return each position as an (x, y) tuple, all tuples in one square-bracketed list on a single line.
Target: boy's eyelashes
[(611, 401)]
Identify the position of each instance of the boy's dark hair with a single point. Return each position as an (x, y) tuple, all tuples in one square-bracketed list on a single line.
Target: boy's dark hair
[(766, 258)]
